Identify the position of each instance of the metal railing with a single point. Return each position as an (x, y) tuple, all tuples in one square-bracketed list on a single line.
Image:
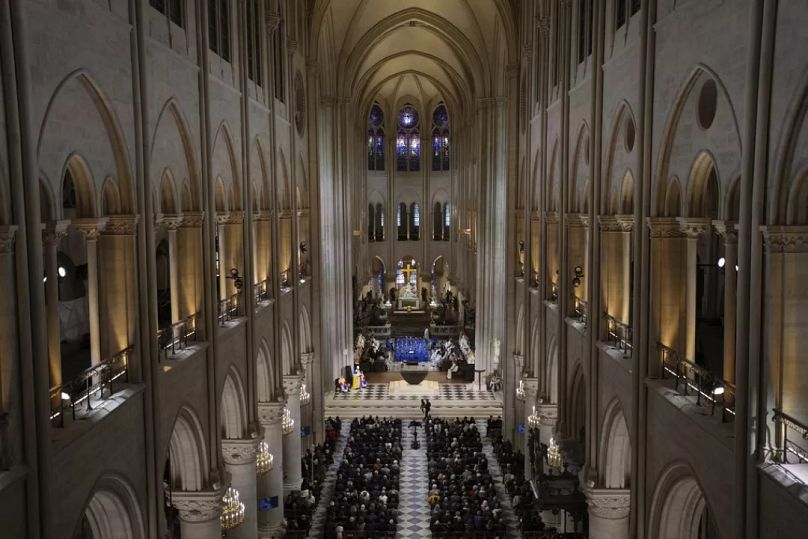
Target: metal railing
[(95, 382), (261, 291), (785, 447), (228, 309), (581, 309), (176, 337), (691, 379), (618, 333)]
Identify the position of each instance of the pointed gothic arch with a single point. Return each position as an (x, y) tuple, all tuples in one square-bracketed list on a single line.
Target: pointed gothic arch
[(234, 407), (187, 452)]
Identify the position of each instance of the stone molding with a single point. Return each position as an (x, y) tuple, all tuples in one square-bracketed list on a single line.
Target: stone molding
[(270, 414), (608, 503), (230, 218), (291, 385), (785, 239), (728, 230), (7, 234), (664, 227), (577, 220), (531, 386), (519, 359), (261, 215), (91, 227), (121, 225), (551, 217), (616, 223), (53, 231), (306, 358), (201, 506), (543, 24), (192, 219), (693, 227), (548, 414), (241, 451)]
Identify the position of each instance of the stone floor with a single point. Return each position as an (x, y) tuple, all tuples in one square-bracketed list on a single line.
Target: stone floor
[(413, 519)]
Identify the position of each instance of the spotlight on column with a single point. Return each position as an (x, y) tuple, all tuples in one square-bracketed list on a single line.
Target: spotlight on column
[(718, 391), (62, 271), (45, 279), (722, 262)]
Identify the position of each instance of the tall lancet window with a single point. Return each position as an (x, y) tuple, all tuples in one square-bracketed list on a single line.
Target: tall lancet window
[(408, 140), (415, 226), (440, 139), (376, 138)]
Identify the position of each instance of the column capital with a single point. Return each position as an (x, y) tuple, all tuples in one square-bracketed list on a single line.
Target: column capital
[(693, 227), (240, 451), (121, 225), (519, 359), (91, 227), (7, 233), (664, 227), (306, 359), (608, 503), (270, 413), (548, 414), (273, 21), (550, 217), (291, 385), (169, 221), (192, 219), (200, 506), (230, 218), (785, 239), (728, 230), (261, 215), (577, 220), (531, 386), (54, 231), (616, 223)]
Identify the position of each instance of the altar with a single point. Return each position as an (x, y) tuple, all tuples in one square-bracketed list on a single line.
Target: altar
[(408, 298)]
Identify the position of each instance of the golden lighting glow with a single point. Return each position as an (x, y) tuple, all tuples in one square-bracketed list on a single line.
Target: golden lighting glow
[(263, 459), (232, 509), (287, 423)]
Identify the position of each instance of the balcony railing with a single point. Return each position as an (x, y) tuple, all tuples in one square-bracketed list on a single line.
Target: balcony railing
[(97, 383), (581, 309), (178, 336), (786, 450), (261, 291), (692, 379), (228, 309), (618, 333)]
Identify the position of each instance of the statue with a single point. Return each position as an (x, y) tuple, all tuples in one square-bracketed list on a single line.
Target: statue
[(496, 352)]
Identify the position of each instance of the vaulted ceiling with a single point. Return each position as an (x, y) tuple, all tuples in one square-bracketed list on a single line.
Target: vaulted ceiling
[(429, 50)]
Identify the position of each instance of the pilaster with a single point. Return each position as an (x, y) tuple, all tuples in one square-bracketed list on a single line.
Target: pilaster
[(608, 512), (199, 513)]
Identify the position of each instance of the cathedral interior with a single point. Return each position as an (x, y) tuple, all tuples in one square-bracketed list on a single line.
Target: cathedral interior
[(403, 269)]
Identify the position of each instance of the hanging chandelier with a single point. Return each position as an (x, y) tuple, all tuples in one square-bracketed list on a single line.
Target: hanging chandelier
[(305, 396), (534, 419), (232, 509), (554, 460), (520, 391), (287, 423), (263, 459)]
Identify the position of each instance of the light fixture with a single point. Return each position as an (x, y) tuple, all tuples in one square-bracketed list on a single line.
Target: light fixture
[(62, 271), (554, 459), (579, 273), (736, 267), (534, 419), (287, 423), (718, 391), (232, 509), (305, 396), (65, 396), (263, 459), (45, 279), (520, 391), (721, 262)]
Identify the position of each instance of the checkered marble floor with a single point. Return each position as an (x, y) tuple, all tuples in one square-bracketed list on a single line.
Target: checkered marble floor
[(511, 520), (319, 517), (447, 392), (413, 510)]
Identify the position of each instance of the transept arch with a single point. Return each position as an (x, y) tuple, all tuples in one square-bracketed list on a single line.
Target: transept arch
[(187, 453), (112, 511), (233, 407), (265, 373), (678, 505), (615, 448)]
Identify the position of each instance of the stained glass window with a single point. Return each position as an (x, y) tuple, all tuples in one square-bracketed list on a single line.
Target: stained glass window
[(440, 139), (408, 140), (376, 138)]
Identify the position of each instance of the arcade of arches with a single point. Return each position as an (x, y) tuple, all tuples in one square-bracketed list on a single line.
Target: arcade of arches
[(588, 217)]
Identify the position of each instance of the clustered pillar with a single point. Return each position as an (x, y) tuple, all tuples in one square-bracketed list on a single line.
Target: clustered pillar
[(270, 485), (292, 470), (200, 513), (239, 460)]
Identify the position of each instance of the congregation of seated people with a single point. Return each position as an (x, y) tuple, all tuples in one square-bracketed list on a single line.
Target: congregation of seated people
[(365, 500), (299, 506), (512, 464), (462, 498)]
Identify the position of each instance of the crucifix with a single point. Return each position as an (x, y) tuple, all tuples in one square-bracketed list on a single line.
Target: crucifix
[(407, 270)]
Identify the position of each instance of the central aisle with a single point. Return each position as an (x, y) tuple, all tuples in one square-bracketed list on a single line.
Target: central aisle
[(413, 510)]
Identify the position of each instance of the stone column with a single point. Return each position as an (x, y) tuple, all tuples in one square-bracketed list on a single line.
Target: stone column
[(172, 223), (189, 257), (608, 512), (549, 421), (199, 513), (91, 228), (730, 235), (692, 229), (239, 461), (292, 470), (616, 265), (270, 521), (52, 235), (531, 387)]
